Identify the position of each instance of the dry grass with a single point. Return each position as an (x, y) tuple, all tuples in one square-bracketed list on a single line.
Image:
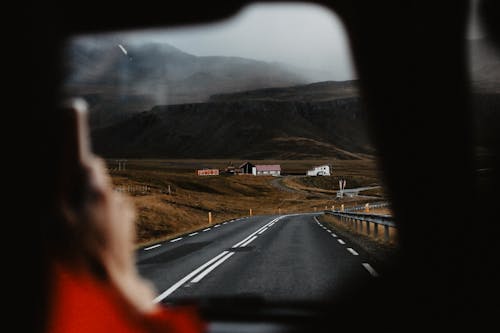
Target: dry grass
[(162, 215), (381, 211)]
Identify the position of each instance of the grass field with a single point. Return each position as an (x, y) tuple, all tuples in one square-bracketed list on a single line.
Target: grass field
[(162, 215)]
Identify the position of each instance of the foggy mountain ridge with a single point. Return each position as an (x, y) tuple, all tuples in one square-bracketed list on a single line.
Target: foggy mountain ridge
[(118, 84), (245, 129)]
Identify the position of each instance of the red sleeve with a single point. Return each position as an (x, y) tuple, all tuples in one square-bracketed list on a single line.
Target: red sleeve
[(82, 304), (178, 319)]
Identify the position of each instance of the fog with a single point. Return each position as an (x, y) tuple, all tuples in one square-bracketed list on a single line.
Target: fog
[(304, 36)]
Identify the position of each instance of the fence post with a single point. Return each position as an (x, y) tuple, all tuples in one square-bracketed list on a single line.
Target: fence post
[(210, 218), (375, 230), (386, 233), (250, 212), (368, 228)]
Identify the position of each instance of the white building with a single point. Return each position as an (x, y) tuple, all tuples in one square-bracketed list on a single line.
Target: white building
[(322, 170), (266, 170)]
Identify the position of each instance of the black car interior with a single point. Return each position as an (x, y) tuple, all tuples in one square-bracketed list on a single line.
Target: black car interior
[(411, 60)]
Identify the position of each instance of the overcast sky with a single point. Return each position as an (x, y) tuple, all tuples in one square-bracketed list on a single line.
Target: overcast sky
[(302, 35)]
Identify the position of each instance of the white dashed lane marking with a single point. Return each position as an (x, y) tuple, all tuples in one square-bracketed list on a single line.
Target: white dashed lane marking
[(367, 266), (354, 253), (370, 269), (175, 240), (152, 247)]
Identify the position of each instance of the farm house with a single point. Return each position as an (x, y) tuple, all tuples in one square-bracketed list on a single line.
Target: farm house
[(208, 172), (246, 168), (266, 170), (322, 170)]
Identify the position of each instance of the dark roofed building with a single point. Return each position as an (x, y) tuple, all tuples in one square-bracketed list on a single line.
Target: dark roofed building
[(246, 168)]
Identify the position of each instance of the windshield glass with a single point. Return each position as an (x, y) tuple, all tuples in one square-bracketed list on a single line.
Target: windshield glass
[(484, 73), (244, 147)]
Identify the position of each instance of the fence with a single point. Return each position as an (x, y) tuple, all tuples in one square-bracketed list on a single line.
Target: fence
[(133, 188), (356, 220)]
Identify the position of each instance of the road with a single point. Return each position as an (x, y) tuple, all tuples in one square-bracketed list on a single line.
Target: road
[(281, 185), (278, 258)]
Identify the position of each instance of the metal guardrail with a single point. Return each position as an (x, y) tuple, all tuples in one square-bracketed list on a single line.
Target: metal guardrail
[(357, 219), (373, 218)]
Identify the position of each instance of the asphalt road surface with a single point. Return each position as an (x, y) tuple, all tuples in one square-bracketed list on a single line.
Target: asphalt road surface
[(276, 258)]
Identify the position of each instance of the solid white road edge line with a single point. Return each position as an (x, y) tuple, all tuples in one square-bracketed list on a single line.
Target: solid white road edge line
[(179, 283), (354, 253), (370, 269), (152, 247)]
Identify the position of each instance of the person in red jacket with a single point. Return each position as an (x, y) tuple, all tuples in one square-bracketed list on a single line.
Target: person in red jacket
[(95, 286)]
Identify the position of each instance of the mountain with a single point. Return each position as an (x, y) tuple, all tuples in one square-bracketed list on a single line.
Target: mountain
[(314, 92), (119, 82), (269, 125)]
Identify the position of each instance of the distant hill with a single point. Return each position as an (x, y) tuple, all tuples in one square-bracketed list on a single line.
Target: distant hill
[(262, 124), (118, 84), (315, 92)]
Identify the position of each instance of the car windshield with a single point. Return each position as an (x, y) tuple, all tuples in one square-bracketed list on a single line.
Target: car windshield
[(484, 73), (244, 146)]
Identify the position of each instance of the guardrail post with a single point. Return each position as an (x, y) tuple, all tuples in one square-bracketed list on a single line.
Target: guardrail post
[(386, 233), (210, 218), (375, 230), (368, 228)]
